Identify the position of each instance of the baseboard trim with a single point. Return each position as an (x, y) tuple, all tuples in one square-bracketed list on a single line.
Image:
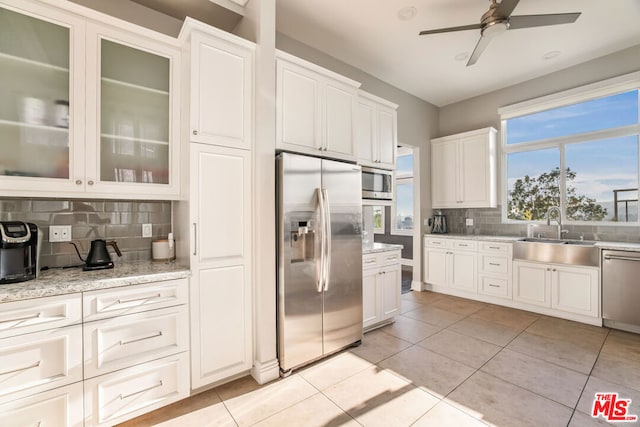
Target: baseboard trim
[(265, 372), (416, 285)]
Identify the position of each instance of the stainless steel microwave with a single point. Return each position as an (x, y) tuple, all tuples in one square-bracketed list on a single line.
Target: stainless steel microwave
[(377, 184)]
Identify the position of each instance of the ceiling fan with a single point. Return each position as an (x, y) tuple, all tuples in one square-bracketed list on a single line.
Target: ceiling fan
[(498, 19)]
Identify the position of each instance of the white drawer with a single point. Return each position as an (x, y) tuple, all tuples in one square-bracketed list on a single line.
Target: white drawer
[(121, 395), (494, 286), (113, 302), (40, 361), (22, 317), (495, 247), (389, 258), (59, 407), (436, 242), (494, 264), (369, 260), (123, 341), (465, 245)]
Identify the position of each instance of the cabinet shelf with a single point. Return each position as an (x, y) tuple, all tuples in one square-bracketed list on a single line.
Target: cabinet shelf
[(131, 138), (9, 57), (34, 126), (134, 86)]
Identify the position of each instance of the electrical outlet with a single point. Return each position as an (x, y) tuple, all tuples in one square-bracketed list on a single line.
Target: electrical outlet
[(59, 233), (146, 230), (469, 222)]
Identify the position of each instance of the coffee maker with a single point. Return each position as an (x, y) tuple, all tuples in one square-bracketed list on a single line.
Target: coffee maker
[(19, 251)]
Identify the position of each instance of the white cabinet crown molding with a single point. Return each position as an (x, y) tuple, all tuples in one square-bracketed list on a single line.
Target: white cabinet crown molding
[(375, 98), (190, 25), (316, 68)]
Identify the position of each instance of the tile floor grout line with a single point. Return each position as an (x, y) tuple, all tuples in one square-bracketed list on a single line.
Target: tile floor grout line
[(226, 408)]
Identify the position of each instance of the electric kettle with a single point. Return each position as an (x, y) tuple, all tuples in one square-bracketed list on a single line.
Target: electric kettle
[(98, 257), (438, 223)]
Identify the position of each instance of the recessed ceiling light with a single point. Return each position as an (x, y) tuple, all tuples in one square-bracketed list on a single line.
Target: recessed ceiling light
[(461, 56), (407, 13), (550, 55)]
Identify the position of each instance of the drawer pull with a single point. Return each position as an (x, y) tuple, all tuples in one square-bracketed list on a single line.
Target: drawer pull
[(157, 334), (464, 245), (370, 261), (494, 247), (13, 371), (392, 257), (20, 319), (494, 286), (126, 396), (125, 301), (494, 264)]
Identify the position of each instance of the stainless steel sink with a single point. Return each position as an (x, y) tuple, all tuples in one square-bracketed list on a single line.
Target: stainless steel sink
[(571, 252)]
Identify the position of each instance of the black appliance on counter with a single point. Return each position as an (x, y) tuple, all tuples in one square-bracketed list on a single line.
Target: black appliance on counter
[(98, 257), (19, 251), (438, 223)]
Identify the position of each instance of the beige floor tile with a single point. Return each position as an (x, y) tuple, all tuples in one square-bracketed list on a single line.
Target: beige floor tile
[(619, 368), (375, 397), (377, 346), (333, 370), (423, 298), (546, 379), (445, 415), (461, 306), (470, 351), (495, 333), (316, 411), (598, 385), (435, 316), (623, 343), (204, 409), (580, 334), (250, 404), (408, 305), (504, 404), (432, 372), (555, 351), (409, 329), (583, 420), (506, 316)]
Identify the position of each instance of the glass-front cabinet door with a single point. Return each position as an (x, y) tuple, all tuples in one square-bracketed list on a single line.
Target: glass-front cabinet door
[(41, 99), (135, 127)]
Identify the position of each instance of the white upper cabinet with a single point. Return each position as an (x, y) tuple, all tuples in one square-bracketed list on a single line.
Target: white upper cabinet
[(463, 170), (376, 131), (315, 110), (88, 110), (221, 86)]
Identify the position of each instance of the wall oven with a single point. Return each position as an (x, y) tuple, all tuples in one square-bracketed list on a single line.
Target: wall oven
[(377, 184)]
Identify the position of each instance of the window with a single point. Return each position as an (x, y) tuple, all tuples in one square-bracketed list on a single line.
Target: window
[(402, 209), (378, 220), (577, 150)]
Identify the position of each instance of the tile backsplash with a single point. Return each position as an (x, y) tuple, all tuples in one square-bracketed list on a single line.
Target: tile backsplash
[(117, 220), (488, 221)]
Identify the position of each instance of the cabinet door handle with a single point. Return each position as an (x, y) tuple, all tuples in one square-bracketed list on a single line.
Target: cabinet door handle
[(554, 269), (195, 132), (195, 239), (548, 269), (126, 396), (138, 299), (148, 337), (78, 182), (13, 371), (90, 182), (22, 318)]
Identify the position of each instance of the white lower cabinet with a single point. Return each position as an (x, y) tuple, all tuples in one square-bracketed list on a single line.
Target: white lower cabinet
[(124, 394), (58, 407), (451, 263), (381, 282), (566, 288)]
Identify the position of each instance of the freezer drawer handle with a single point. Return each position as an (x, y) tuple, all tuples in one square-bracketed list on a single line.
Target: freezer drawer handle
[(13, 371), (126, 396), (145, 298), (20, 319), (148, 337), (620, 258)]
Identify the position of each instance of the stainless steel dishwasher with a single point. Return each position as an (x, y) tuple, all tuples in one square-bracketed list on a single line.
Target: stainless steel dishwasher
[(621, 290)]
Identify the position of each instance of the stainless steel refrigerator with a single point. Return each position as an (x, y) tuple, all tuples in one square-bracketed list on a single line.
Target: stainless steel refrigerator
[(319, 258)]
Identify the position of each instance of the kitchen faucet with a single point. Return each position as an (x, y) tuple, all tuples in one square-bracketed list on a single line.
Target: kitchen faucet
[(558, 219)]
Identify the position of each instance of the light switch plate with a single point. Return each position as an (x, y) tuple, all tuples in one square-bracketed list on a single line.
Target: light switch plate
[(469, 222), (59, 233), (146, 230)]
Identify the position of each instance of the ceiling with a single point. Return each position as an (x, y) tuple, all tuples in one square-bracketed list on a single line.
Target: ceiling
[(369, 35)]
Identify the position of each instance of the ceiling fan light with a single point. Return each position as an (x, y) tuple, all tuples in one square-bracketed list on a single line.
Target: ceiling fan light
[(495, 28)]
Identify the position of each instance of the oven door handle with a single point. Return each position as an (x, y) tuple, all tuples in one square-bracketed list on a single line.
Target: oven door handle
[(621, 258)]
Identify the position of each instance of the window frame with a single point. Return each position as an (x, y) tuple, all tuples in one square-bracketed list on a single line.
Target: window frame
[(401, 178), (625, 83)]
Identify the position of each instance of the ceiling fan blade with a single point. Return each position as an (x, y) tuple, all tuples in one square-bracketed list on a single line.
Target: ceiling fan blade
[(528, 21), (446, 30), (480, 47), (505, 8)]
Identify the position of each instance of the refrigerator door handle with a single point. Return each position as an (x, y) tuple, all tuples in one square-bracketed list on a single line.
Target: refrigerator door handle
[(327, 230), (323, 235)]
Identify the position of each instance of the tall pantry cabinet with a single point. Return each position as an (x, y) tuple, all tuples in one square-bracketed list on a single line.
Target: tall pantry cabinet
[(214, 222)]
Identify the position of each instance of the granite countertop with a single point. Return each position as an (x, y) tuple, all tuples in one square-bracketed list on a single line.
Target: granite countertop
[(620, 246), (59, 281), (376, 247)]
